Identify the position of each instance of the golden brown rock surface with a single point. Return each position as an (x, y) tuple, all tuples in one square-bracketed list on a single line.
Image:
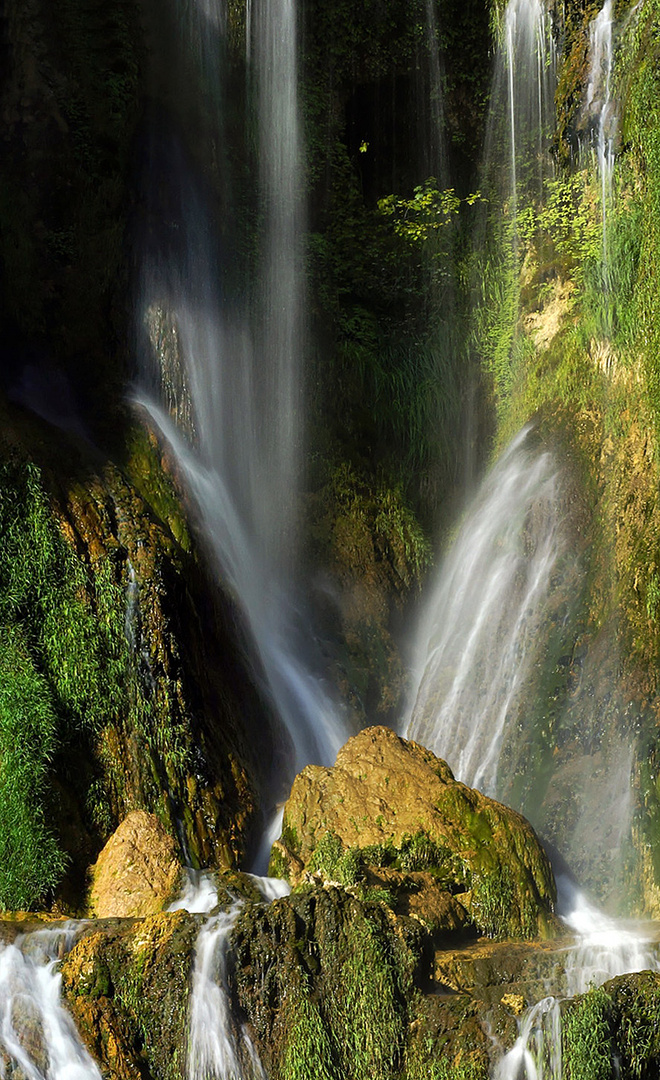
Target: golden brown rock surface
[(138, 870), (386, 794)]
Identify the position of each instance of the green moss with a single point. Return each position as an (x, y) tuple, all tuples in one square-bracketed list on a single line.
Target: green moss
[(308, 1050), (493, 896), (586, 1039), (365, 1007)]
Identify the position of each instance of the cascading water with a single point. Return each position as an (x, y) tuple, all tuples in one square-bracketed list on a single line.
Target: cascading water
[(37, 1035), (477, 652), (216, 1049), (227, 398), (522, 102), (476, 641), (600, 107)]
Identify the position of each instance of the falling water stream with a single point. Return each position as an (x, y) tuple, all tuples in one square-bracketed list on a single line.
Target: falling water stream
[(36, 1032), (522, 103), (600, 106), (221, 375), (227, 398), (476, 654), (476, 641)]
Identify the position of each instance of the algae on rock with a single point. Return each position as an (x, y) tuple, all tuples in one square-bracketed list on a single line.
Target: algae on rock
[(393, 803)]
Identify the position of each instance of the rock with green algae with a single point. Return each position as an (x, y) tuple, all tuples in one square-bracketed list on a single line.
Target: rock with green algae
[(338, 987), (391, 802), (146, 700), (127, 984)]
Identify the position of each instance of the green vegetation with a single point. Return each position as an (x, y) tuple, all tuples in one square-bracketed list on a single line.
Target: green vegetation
[(69, 674), (30, 857), (308, 1049), (586, 1040), (365, 1007), (62, 673)]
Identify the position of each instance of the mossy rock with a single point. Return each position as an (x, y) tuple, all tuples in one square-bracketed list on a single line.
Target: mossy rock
[(127, 984), (325, 981), (388, 801)]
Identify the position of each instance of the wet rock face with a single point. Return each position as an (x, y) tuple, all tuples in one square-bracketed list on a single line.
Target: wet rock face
[(127, 986), (138, 870), (389, 803)]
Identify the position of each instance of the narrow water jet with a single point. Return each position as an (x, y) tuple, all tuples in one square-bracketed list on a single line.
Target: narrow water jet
[(214, 1049), (601, 109), (521, 116)]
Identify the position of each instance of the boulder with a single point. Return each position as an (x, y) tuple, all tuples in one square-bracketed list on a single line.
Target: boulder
[(390, 803), (138, 871)]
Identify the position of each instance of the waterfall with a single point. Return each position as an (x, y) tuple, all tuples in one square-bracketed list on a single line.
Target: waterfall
[(600, 107), (215, 1048), (522, 102), (477, 651), (37, 1035), (477, 638), (604, 948), (221, 372)]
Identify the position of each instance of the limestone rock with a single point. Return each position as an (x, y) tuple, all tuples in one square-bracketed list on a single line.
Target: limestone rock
[(138, 870), (393, 803)]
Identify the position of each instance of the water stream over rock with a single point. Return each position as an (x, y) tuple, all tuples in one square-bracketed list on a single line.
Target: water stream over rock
[(37, 1034), (477, 639)]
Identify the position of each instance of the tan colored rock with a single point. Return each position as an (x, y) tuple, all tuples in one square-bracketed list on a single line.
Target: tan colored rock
[(384, 790), (138, 870)]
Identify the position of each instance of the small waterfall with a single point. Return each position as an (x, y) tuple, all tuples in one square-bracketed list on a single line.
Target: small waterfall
[(216, 1051), (536, 1053), (522, 102), (477, 639), (37, 1035), (604, 948), (213, 1049), (600, 107)]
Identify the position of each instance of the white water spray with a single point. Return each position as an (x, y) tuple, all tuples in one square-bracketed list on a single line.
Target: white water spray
[(476, 641), (37, 1035), (230, 375), (600, 106)]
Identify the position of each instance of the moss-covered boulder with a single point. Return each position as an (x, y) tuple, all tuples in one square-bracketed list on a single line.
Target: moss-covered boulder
[(391, 803), (127, 985), (328, 983)]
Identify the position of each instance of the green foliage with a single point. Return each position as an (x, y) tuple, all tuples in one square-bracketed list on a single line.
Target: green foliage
[(70, 668), (586, 1042), (365, 1009), (637, 1026), (30, 859), (492, 898), (383, 515), (430, 209), (422, 1065), (419, 852), (309, 1050), (336, 863)]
